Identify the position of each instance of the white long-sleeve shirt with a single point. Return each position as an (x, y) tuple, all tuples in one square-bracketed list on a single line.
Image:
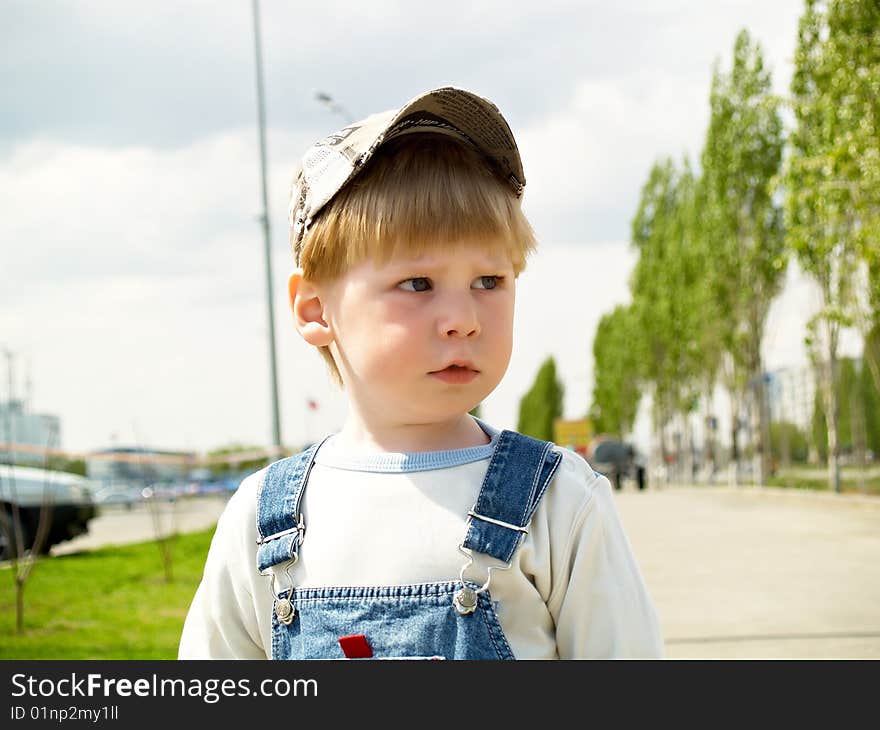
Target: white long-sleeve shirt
[(573, 590)]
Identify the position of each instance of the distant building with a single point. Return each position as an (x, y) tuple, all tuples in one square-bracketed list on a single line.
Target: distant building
[(138, 466), (38, 430)]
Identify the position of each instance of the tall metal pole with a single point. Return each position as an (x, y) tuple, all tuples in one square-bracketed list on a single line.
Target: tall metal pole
[(276, 426), (8, 435)]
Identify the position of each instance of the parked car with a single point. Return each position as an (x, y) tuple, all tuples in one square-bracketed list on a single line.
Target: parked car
[(124, 494), (618, 460), (67, 496)]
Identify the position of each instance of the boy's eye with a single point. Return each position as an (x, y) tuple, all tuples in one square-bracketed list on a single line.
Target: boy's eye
[(489, 282), (420, 283)]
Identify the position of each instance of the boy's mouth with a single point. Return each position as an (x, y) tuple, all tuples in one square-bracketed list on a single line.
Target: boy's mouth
[(458, 366), (457, 373)]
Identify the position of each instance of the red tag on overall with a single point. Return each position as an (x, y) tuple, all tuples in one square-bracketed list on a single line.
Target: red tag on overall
[(355, 646)]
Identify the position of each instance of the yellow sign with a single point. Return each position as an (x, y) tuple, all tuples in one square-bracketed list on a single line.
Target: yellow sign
[(573, 434)]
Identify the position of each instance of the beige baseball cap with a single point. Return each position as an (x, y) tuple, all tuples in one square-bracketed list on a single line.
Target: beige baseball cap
[(334, 160)]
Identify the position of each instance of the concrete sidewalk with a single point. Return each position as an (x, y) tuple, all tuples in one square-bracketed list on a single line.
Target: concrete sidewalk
[(759, 572)]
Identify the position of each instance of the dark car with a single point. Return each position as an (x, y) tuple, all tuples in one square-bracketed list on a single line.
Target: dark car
[(26, 493), (618, 460)]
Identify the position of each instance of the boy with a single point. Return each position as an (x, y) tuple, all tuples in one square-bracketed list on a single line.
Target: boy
[(417, 530)]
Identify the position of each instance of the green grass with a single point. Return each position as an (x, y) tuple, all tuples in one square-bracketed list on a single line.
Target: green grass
[(849, 484), (111, 603)]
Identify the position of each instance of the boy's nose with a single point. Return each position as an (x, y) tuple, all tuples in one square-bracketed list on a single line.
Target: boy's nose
[(458, 318)]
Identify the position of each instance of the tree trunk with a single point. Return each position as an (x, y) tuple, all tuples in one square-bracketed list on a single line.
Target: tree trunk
[(709, 439), (165, 550), (813, 454), (664, 450), (831, 413), (754, 410), (687, 462), (19, 606), (764, 445), (760, 426), (733, 470), (857, 427)]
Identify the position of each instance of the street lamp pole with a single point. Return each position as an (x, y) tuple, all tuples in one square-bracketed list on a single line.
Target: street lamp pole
[(276, 426)]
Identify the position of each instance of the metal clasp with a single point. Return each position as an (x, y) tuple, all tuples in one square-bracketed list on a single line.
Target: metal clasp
[(284, 609), (300, 529), (465, 598)]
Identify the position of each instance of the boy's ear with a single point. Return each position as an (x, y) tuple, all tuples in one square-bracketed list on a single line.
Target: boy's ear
[(307, 306)]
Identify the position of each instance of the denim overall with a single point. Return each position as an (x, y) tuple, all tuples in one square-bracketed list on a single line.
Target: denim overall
[(449, 619)]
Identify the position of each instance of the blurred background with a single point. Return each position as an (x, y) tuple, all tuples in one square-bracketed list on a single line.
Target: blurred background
[(703, 178)]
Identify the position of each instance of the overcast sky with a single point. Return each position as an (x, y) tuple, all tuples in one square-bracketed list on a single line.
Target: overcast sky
[(133, 274)]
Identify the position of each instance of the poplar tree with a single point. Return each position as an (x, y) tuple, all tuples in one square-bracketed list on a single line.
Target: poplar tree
[(710, 337), (617, 357), (853, 45), (741, 156), (542, 404), (832, 177), (650, 286), (667, 295)]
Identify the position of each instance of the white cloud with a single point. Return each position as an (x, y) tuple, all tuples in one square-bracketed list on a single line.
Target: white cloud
[(602, 144)]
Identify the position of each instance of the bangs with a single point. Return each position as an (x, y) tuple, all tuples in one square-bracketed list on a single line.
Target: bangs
[(419, 192)]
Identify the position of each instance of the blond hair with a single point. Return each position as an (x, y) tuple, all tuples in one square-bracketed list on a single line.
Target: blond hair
[(420, 192)]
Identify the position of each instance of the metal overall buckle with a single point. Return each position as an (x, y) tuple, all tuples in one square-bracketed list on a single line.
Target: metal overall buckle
[(466, 598), (284, 609)]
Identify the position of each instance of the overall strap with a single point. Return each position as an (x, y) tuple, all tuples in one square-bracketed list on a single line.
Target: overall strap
[(518, 475), (279, 519)]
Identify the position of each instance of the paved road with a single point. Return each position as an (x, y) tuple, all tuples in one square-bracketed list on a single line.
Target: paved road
[(117, 525), (759, 573), (735, 573)]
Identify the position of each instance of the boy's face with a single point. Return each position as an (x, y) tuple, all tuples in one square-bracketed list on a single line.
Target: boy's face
[(396, 325)]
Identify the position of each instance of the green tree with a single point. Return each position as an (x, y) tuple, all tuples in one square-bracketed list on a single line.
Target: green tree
[(852, 50), (650, 290), (617, 356), (542, 404), (832, 178), (871, 323), (871, 389), (666, 291), (788, 443), (858, 414), (705, 221), (741, 156)]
